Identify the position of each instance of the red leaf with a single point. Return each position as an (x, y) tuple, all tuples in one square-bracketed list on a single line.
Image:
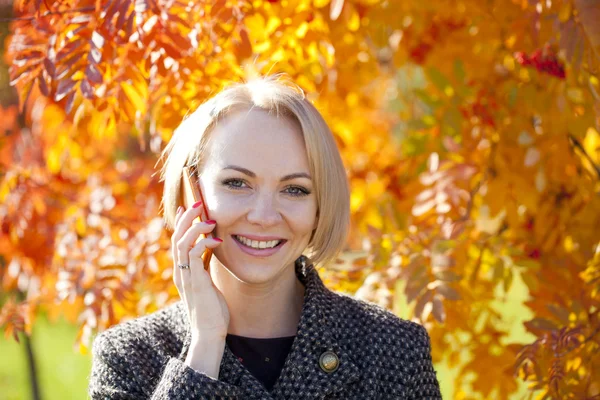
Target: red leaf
[(438, 309), (171, 51), (50, 68), (216, 7), (110, 12), (181, 42), (24, 76), (65, 68), (123, 14), (70, 100), (80, 19), (414, 290), (24, 94), (129, 29), (244, 47), (69, 103), (43, 86), (448, 292), (29, 55), (64, 87), (93, 74), (68, 49), (94, 56), (421, 303), (178, 20), (107, 5), (86, 89)]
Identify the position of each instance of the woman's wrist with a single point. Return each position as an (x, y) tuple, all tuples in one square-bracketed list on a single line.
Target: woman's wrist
[(205, 356)]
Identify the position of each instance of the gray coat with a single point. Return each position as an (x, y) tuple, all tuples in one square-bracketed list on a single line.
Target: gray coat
[(344, 349)]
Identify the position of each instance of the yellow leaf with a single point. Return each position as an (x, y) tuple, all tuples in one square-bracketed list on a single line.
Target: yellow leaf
[(354, 21), (357, 197), (80, 225), (53, 159), (302, 29), (591, 144), (272, 25), (374, 218), (279, 55), (255, 26), (134, 96), (262, 47), (212, 68)]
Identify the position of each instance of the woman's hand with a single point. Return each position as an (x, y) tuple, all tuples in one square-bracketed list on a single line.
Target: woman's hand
[(206, 307)]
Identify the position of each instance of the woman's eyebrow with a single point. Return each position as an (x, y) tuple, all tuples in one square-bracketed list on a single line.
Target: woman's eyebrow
[(253, 175)]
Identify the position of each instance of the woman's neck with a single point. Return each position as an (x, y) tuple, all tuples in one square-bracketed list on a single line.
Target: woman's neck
[(261, 311)]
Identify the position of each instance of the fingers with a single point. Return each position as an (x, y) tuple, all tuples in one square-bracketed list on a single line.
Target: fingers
[(191, 282), (188, 240), (183, 220), (200, 279)]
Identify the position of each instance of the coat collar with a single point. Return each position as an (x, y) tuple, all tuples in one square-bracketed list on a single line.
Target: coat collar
[(317, 332)]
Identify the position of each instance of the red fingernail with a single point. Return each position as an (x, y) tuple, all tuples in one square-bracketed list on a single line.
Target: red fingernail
[(196, 205), (218, 240), (179, 209), (211, 222)]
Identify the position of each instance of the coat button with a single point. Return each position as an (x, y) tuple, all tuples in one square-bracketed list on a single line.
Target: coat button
[(329, 362)]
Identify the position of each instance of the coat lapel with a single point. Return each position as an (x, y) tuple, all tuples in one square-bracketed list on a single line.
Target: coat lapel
[(301, 376)]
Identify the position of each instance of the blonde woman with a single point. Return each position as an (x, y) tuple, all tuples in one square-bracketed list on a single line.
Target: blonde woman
[(259, 323)]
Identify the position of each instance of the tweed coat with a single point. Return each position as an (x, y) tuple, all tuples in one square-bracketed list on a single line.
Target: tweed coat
[(380, 356)]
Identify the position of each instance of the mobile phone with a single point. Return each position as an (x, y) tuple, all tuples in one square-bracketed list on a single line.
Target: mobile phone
[(191, 195)]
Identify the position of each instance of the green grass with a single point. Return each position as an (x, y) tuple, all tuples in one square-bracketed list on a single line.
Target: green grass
[(64, 373)]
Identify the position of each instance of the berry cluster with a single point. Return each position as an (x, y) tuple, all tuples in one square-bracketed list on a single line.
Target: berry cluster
[(542, 60)]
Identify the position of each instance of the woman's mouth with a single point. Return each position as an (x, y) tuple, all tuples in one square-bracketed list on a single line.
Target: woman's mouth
[(258, 247)]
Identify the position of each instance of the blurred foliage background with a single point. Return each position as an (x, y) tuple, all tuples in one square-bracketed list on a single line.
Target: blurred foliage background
[(469, 130)]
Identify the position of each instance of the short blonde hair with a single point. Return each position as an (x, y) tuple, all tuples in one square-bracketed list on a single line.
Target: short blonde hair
[(283, 98)]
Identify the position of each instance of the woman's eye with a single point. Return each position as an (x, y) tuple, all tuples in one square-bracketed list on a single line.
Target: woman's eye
[(234, 183), (297, 191)]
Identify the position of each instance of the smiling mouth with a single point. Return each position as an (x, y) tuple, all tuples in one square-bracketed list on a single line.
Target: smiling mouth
[(258, 244)]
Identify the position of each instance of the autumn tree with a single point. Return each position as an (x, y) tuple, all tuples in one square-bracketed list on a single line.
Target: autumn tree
[(469, 130)]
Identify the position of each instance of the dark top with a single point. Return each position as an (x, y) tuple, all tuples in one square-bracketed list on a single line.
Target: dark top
[(264, 358)]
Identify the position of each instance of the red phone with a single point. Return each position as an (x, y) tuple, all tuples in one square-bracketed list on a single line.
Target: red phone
[(191, 195)]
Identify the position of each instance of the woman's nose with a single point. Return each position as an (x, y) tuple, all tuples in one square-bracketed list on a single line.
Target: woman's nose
[(264, 211)]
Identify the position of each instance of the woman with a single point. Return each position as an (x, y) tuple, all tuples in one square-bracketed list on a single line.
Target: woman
[(260, 324)]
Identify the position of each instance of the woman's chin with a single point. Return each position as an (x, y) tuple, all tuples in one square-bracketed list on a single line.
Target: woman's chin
[(253, 271)]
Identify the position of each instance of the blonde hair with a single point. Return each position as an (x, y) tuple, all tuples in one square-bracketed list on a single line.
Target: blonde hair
[(283, 98)]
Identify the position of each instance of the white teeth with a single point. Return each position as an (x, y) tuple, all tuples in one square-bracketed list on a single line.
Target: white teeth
[(257, 244)]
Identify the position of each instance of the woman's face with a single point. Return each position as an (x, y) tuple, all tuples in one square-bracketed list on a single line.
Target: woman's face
[(257, 186)]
